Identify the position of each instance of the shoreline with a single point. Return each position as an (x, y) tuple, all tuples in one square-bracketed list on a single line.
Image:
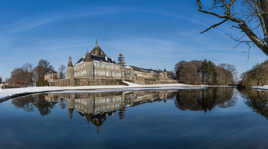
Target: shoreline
[(265, 87), (15, 92)]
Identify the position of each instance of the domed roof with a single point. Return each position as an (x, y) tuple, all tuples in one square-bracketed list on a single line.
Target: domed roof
[(96, 54), (87, 57), (97, 51)]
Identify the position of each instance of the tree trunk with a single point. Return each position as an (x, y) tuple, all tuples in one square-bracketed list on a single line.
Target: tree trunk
[(264, 7)]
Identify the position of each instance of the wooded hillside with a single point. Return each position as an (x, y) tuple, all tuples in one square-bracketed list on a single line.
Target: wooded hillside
[(204, 72), (256, 76)]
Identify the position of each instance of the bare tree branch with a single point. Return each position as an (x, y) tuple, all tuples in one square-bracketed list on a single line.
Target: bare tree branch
[(259, 7), (255, 6), (214, 26)]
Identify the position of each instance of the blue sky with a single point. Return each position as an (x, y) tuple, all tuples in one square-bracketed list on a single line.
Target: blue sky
[(150, 33)]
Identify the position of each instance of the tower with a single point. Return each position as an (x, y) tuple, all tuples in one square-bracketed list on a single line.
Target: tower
[(70, 69), (97, 43), (122, 63), (121, 60)]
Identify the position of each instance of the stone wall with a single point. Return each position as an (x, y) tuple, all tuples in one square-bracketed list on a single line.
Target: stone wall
[(97, 70), (153, 81), (84, 82)]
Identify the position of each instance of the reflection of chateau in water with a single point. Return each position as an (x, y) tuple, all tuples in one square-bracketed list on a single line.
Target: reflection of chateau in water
[(97, 103), (94, 107), (204, 100), (97, 107)]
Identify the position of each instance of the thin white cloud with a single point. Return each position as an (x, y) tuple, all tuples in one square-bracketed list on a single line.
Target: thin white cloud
[(29, 23)]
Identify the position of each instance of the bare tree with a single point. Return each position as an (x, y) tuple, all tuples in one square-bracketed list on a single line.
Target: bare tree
[(1, 80), (27, 67), (20, 78), (62, 71), (230, 68), (259, 75), (188, 72), (40, 70), (248, 16)]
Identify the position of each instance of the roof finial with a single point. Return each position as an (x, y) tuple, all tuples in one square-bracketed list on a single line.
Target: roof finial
[(97, 44)]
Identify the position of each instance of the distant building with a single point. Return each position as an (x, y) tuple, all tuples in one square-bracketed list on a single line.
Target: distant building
[(52, 76), (96, 68)]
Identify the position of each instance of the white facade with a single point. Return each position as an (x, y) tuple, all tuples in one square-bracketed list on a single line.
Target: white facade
[(97, 70)]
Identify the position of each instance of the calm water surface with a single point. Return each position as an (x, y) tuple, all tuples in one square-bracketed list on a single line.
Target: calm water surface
[(215, 118)]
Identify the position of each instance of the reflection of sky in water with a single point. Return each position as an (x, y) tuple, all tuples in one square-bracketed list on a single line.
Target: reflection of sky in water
[(158, 124)]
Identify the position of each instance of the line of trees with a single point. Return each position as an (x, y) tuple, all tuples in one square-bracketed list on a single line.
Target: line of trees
[(27, 75), (204, 72), (21, 77), (256, 76)]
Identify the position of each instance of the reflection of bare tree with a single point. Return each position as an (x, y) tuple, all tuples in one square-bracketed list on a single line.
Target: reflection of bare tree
[(121, 113), (43, 106), (28, 103), (62, 104), (204, 100), (228, 103), (24, 102), (257, 100)]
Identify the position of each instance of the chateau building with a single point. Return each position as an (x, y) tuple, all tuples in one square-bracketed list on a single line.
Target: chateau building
[(96, 68)]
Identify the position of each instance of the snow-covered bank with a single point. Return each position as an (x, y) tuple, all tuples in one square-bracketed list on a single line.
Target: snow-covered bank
[(265, 87), (7, 93)]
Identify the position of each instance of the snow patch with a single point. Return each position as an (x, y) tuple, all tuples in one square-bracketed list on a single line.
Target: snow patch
[(5, 93), (265, 87)]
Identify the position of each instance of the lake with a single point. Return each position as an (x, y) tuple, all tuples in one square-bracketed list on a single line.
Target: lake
[(214, 118)]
